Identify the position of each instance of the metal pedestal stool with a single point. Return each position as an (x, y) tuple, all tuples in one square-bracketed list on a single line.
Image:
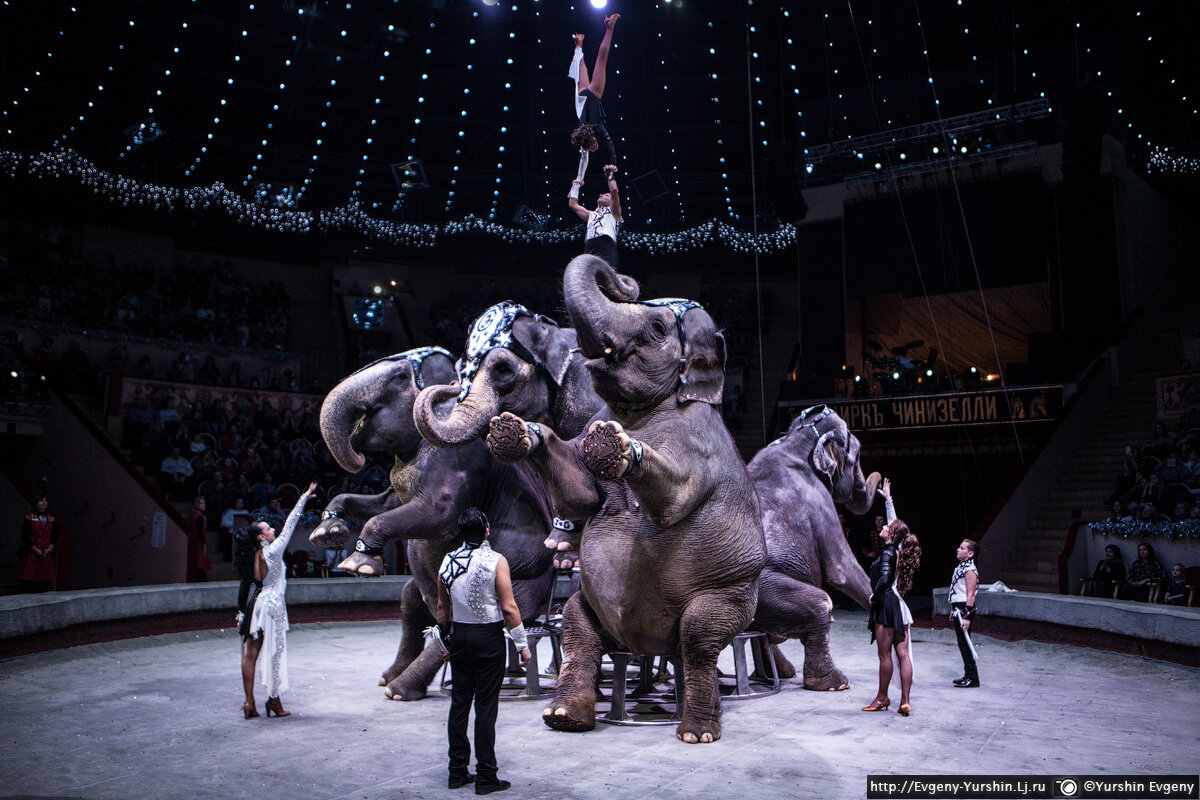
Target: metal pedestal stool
[(744, 685), (649, 706), (528, 682)]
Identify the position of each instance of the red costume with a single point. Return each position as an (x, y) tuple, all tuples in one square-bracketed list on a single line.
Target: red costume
[(38, 538), (198, 561)]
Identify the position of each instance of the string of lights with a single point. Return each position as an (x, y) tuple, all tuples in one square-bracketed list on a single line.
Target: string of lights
[(1162, 160), (69, 166)]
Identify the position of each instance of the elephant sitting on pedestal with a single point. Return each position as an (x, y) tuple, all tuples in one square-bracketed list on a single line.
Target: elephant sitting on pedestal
[(371, 410), (523, 363), (672, 546), (798, 477)]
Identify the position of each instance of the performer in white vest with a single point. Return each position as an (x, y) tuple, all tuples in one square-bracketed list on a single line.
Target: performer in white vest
[(962, 600), (475, 605)]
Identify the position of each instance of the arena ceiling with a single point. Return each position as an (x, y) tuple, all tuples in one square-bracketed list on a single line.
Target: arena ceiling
[(712, 104)]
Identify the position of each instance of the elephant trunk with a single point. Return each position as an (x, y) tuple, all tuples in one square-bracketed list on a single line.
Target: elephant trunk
[(864, 491), (468, 419), (590, 287), (344, 406)]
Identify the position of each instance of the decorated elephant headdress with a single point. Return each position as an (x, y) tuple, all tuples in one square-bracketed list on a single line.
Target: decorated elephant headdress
[(416, 357), (494, 328)]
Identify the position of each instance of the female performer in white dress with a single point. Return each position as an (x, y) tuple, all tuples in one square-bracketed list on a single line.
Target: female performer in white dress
[(269, 619)]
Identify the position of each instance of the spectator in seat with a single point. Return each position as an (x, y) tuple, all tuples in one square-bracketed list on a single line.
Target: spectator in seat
[(1119, 513), (1144, 571), (262, 491), (1159, 443), (1109, 572), (1170, 470), (251, 464), (138, 419), (182, 369), (1176, 591), (1180, 513), (205, 467), (209, 373), (1148, 513), (176, 471), (1190, 468)]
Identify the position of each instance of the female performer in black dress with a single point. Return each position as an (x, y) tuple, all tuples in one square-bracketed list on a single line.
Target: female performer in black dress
[(891, 578)]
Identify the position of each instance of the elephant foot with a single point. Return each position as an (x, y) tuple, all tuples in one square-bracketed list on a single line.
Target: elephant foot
[(567, 560), (508, 438), (827, 680), (391, 673), (606, 451), (362, 564), (400, 689), (330, 533), (570, 716), (696, 732), (784, 668)]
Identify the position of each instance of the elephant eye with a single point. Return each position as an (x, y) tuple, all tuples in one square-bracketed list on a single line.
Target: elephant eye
[(660, 328)]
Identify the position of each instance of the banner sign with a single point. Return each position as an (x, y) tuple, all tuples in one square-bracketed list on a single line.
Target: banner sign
[(1178, 394), (991, 407)]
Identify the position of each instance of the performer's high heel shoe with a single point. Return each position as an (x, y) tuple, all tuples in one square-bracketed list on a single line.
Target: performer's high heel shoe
[(249, 710), (878, 705), (276, 707), (905, 709)]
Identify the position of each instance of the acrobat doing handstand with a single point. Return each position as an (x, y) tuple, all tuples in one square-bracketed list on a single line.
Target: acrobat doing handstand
[(588, 90)]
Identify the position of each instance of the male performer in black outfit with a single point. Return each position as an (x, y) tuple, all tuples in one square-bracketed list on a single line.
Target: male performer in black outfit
[(962, 604), (475, 604)]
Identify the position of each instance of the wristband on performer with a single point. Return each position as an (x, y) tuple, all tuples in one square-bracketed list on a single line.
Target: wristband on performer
[(970, 613), (574, 193), (518, 636)]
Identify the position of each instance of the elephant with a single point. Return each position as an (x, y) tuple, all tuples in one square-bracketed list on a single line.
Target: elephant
[(672, 544), (798, 478), (372, 410), (523, 363)]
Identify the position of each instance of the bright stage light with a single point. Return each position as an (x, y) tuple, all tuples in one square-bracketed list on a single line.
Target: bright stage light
[(599, 3), (491, 2)]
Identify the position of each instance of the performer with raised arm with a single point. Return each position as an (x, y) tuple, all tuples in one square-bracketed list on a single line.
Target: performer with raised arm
[(605, 222), (269, 619), (593, 126)]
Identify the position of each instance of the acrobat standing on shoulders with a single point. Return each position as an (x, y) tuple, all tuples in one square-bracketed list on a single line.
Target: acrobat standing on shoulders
[(588, 90), (605, 222)]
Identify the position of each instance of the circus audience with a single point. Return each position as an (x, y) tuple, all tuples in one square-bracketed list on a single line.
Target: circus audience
[(1145, 571), (1176, 591)]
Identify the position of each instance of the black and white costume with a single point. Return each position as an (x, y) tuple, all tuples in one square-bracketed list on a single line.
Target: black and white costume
[(601, 237), (477, 656), (961, 611)]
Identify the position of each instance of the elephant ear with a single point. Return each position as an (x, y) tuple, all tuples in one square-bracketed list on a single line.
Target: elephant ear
[(703, 376), (437, 370), (829, 454), (547, 343)]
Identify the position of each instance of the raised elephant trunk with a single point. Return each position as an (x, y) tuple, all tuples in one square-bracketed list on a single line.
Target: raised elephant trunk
[(594, 292), (468, 419), (864, 491), (345, 406)]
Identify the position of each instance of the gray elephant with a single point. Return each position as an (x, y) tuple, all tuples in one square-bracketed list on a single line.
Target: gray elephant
[(523, 363), (372, 410), (798, 477), (672, 546)]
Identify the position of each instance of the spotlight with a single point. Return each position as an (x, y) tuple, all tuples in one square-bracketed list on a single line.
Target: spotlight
[(409, 175), (928, 373), (378, 290), (599, 3), (144, 132), (491, 2)]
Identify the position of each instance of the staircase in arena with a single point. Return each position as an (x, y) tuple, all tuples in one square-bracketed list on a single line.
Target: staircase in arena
[(1151, 347)]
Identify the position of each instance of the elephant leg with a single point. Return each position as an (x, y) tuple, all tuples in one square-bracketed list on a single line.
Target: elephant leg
[(798, 610), (584, 644), (416, 617), (413, 683), (783, 668), (708, 624)]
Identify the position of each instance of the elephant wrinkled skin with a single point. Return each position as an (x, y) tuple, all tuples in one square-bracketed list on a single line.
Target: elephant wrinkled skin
[(798, 478), (371, 410), (672, 546)]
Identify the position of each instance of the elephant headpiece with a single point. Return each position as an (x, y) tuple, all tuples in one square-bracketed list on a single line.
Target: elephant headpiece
[(494, 328), (834, 455)]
